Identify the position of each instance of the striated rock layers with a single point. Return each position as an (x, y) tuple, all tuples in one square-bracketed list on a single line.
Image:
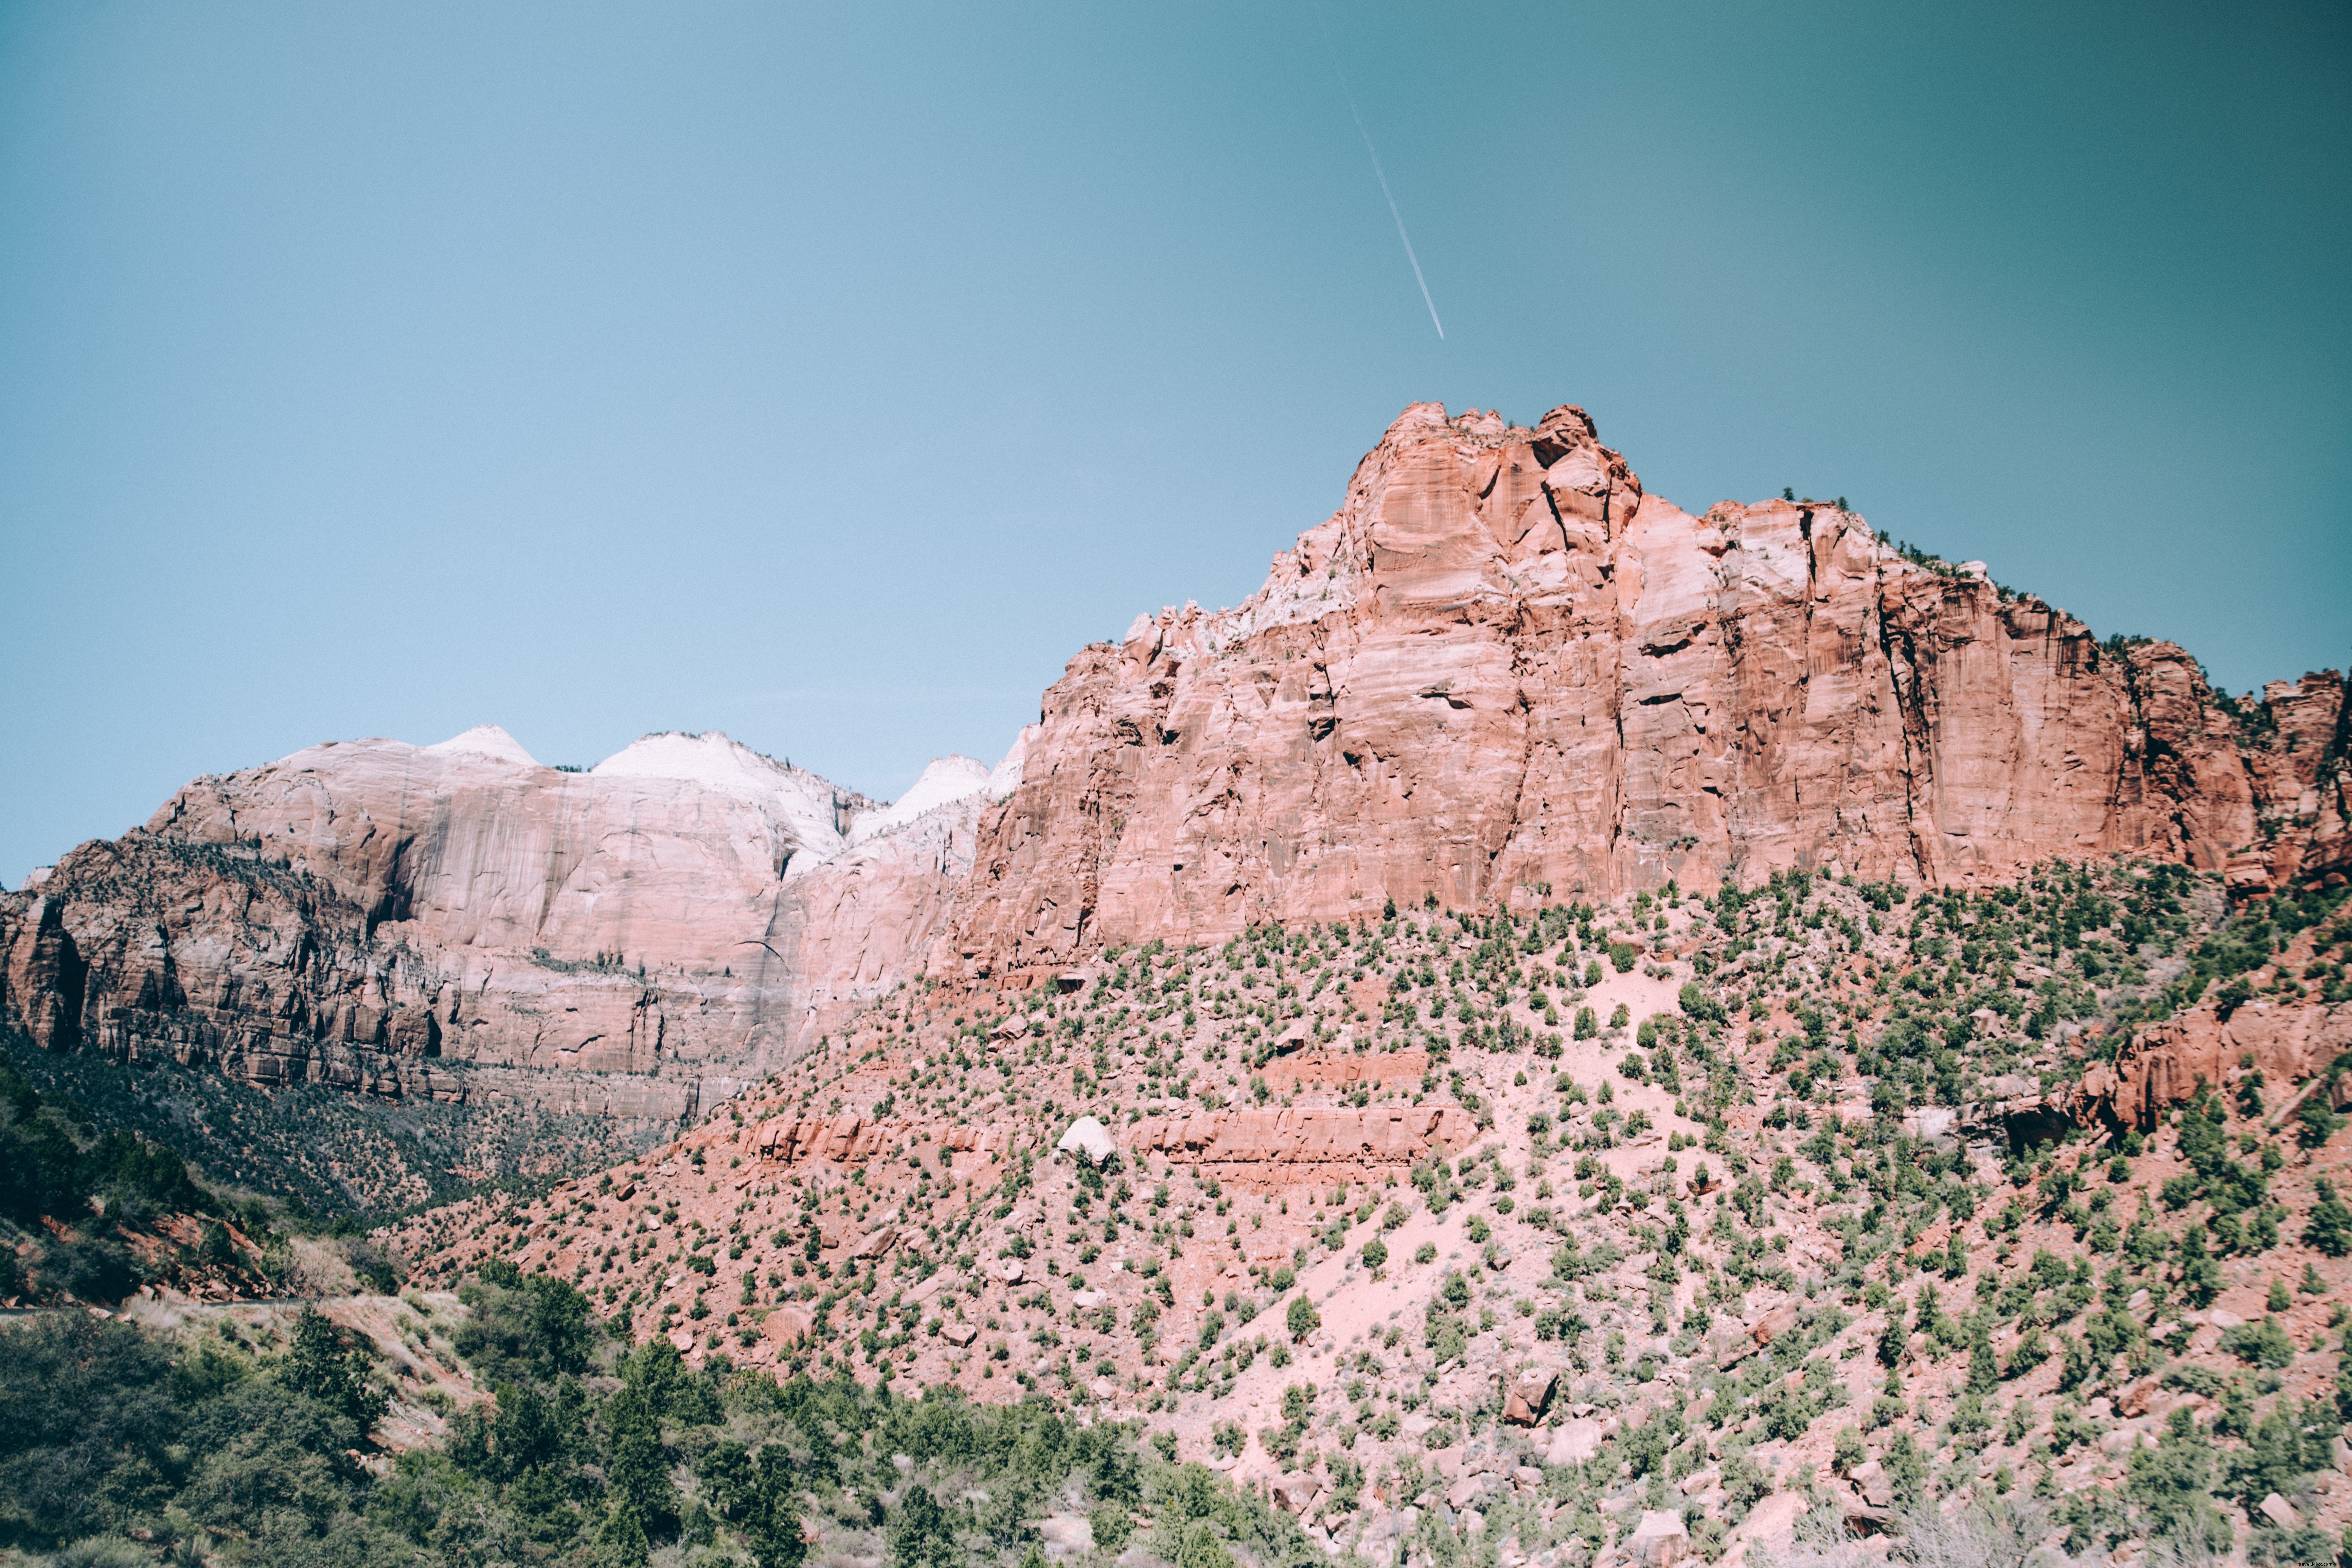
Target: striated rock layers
[(852, 1137), (1502, 669), (437, 921), (1261, 1145)]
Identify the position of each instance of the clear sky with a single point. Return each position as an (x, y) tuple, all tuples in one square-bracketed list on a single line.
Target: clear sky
[(829, 374)]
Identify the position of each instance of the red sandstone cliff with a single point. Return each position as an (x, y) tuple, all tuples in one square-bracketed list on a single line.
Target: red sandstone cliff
[(1502, 666)]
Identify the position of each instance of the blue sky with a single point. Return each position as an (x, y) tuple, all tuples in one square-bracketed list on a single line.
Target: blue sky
[(829, 375)]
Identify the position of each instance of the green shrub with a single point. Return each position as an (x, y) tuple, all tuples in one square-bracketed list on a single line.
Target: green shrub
[(2264, 1343)]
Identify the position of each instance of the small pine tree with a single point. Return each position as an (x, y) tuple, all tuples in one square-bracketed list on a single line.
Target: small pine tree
[(2329, 1226), (1891, 1339), (331, 1370), (1984, 1372)]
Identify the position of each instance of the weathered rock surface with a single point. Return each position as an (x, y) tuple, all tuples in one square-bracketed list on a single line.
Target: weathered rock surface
[(1340, 1070), (1530, 1396), (1233, 1143), (1575, 1440), (1502, 666), (850, 1138), (2161, 1066)]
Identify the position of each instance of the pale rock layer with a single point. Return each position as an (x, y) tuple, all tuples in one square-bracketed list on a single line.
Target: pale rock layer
[(637, 940)]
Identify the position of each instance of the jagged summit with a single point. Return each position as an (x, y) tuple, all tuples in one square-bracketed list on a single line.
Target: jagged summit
[(1503, 666)]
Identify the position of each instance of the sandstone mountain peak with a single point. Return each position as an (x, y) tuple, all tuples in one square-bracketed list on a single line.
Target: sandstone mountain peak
[(1502, 668), (945, 781), (711, 761)]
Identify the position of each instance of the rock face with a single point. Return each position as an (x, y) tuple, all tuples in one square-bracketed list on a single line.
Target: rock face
[(2161, 1066), (636, 941), (1337, 1069), (850, 1138), (1502, 666), (1530, 1396), (1575, 1441)]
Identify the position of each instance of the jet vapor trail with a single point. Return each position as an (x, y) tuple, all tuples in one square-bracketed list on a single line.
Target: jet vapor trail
[(1377, 172)]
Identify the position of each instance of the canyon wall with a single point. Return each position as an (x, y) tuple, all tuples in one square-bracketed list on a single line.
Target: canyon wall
[(1502, 671), (636, 941)]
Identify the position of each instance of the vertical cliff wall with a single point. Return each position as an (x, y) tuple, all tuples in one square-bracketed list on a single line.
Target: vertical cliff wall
[(1502, 668), (1500, 671)]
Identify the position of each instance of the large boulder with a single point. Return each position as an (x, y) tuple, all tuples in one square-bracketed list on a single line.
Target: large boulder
[(1529, 1396), (787, 1326), (1660, 1540), (1574, 1441), (1088, 1139)]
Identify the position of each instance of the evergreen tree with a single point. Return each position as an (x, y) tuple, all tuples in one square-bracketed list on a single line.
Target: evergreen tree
[(2328, 1228), (325, 1365), (1892, 1337)]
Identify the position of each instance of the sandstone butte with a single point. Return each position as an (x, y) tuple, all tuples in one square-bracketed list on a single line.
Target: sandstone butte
[(1500, 672)]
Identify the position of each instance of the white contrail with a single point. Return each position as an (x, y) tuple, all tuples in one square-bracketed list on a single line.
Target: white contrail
[(1377, 172)]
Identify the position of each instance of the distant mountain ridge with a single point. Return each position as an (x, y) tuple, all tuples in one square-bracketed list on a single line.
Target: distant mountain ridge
[(437, 922)]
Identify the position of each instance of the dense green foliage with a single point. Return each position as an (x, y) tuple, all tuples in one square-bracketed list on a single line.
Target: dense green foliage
[(105, 1429), (322, 1150), (55, 1162), (590, 1454)]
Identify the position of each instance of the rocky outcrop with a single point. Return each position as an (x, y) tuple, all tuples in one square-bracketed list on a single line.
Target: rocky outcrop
[(1503, 669), (849, 1138), (1254, 1143), (442, 921), (2163, 1064), (1344, 1069)]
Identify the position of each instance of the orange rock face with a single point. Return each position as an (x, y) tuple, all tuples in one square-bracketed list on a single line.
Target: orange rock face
[(851, 1138), (1502, 671), (2162, 1065), (1502, 668)]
